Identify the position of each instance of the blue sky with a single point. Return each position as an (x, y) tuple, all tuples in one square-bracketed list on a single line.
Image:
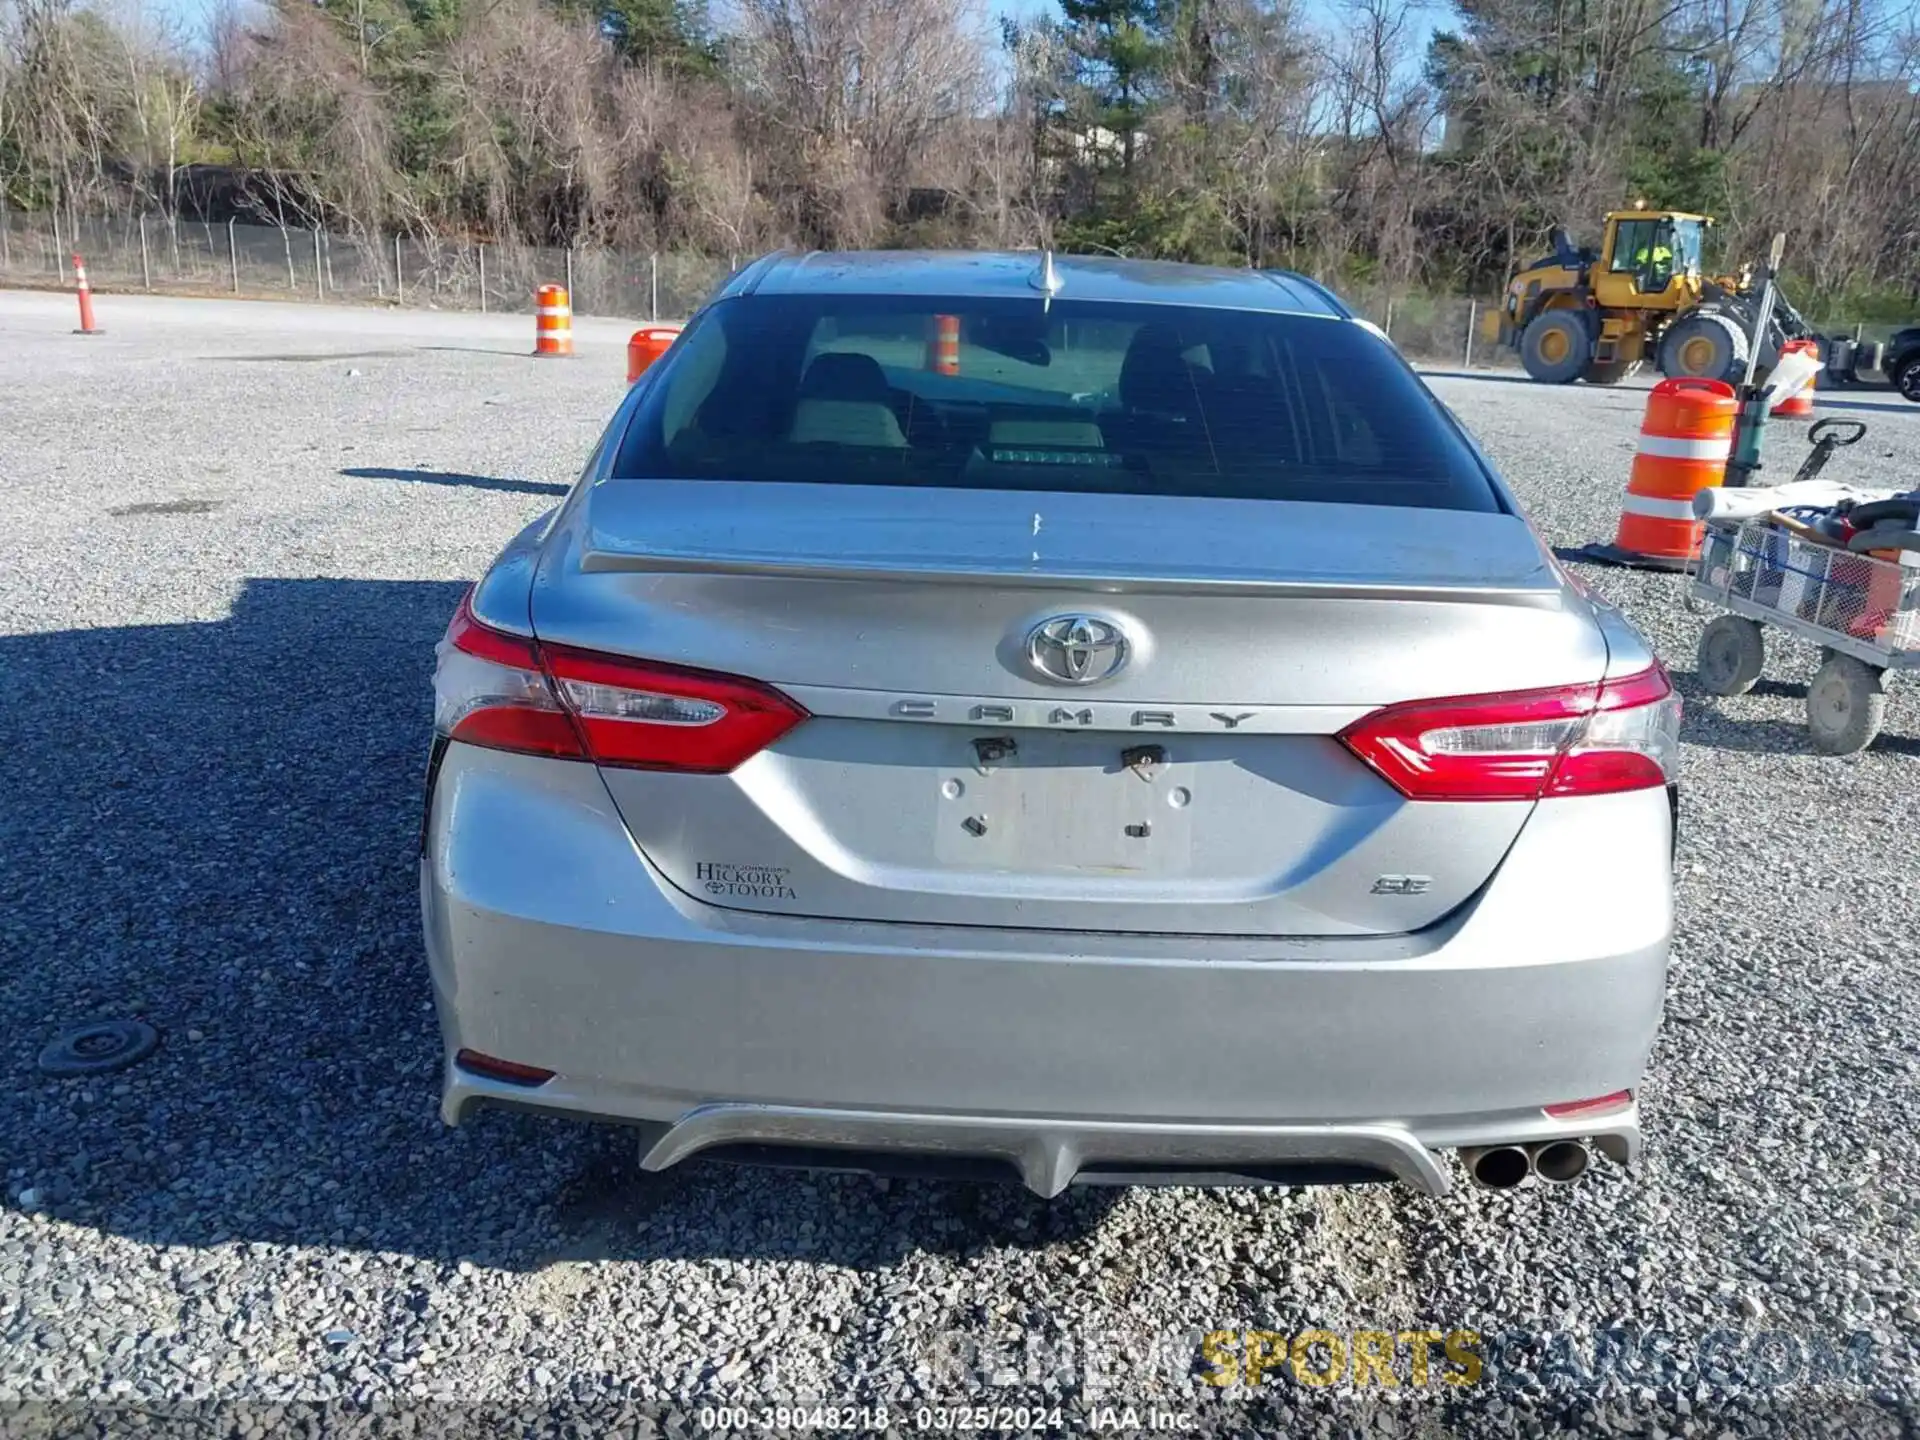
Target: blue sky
[(192, 14)]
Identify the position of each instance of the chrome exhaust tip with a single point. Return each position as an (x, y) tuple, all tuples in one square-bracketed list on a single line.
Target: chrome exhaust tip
[(1560, 1161), (1498, 1167)]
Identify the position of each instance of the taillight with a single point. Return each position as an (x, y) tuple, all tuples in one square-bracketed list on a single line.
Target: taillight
[(510, 693), (1526, 744), (661, 717), (490, 689)]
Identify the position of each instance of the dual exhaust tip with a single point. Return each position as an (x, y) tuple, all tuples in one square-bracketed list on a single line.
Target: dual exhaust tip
[(1502, 1167)]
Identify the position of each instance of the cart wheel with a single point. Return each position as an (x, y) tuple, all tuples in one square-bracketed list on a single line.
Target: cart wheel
[(1845, 706), (1731, 655)]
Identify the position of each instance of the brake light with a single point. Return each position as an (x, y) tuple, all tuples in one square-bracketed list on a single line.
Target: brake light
[(663, 717), (510, 693), (490, 689), (1527, 744)]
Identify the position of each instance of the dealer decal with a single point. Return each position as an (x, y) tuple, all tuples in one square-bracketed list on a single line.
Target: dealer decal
[(744, 882)]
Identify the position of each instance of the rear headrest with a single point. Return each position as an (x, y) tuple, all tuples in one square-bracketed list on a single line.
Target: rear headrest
[(1155, 376), (844, 375), (866, 423)]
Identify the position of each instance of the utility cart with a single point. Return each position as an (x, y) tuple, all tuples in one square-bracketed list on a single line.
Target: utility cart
[(1863, 611)]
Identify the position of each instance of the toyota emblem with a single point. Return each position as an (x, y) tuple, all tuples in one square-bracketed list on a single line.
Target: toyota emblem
[(1077, 649)]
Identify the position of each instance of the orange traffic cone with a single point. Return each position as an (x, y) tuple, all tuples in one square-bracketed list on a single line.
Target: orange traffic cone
[(87, 327), (1685, 439)]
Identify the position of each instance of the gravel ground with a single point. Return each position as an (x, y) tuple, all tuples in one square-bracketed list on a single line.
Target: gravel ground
[(237, 530)]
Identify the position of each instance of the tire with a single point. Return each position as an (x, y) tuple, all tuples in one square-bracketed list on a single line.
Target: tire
[(1884, 538), (1906, 379), (1731, 656), (1872, 512), (1846, 705), (1555, 347), (1703, 346)]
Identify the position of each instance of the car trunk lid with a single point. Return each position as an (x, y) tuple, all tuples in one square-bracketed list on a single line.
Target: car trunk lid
[(943, 777)]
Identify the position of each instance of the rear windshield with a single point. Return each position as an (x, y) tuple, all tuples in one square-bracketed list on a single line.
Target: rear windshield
[(1014, 394)]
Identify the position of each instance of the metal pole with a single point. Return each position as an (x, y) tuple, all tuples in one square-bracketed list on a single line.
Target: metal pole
[(58, 249), (483, 279), (1387, 329), (1765, 317), (653, 284), (233, 256), (146, 270), (319, 286), (1466, 353), (570, 275), (399, 285)]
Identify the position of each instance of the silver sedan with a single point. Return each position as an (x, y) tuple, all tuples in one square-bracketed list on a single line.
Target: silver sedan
[(1072, 720)]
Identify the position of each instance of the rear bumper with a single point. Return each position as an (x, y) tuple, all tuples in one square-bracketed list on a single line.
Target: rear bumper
[(1063, 1055)]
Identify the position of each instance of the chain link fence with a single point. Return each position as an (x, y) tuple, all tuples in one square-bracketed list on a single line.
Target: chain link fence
[(267, 262), (1456, 330)]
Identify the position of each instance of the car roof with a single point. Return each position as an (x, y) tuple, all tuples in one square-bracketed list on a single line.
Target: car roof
[(987, 274)]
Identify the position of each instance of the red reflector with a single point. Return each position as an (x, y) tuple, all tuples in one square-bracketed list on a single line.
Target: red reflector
[(508, 1070), (1568, 1109)]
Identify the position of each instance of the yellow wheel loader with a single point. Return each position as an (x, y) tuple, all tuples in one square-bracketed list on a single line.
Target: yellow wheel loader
[(1582, 315)]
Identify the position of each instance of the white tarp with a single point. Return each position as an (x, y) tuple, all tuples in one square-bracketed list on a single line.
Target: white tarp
[(1717, 503), (1793, 374)]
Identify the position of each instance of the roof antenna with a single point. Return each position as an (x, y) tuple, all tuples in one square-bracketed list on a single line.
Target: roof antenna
[(1046, 279)]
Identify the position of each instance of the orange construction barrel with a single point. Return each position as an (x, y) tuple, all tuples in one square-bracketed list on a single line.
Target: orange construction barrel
[(552, 321), (648, 344), (1685, 438), (1798, 405)]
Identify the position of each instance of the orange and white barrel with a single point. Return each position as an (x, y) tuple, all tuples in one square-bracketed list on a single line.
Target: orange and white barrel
[(1798, 405), (943, 345), (552, 321), (1685, 438)]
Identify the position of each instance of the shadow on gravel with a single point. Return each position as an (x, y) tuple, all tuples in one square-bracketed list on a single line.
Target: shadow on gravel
[(1827, 401), (213, 827), (1774, 737), (1494, 377), (1687, 682), (1722, 731), (613, 1210), (455, 478)]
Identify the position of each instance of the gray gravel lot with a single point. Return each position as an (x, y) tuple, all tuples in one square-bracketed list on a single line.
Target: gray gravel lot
[(236, 531)]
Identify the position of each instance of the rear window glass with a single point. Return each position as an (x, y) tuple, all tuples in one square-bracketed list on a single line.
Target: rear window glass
[(1014, 394)]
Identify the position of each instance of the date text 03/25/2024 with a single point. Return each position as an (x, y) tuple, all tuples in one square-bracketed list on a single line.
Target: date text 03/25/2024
[(938, 1419)]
